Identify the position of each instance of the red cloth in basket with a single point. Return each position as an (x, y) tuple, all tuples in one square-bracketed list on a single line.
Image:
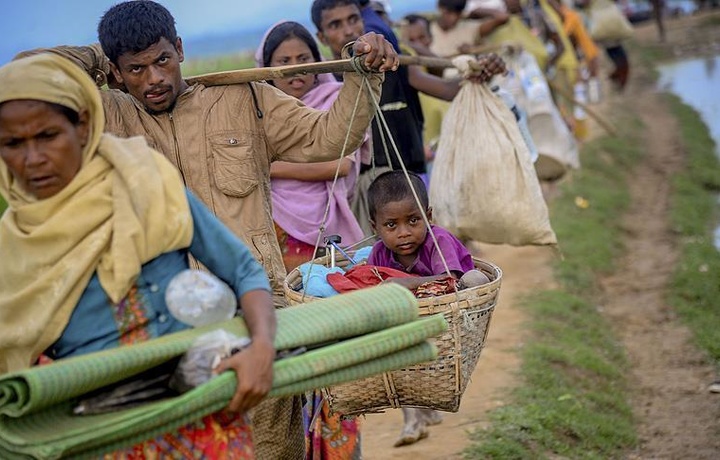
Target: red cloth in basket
[(362, 276)]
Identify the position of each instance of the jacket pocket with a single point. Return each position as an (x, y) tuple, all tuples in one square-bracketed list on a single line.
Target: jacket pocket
[(236, 173)]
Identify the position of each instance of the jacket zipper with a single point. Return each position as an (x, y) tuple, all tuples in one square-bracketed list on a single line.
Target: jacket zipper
[(177, 149), (180, 166)]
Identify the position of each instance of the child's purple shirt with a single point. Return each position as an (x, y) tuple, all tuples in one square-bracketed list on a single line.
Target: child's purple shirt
[(428, 261)]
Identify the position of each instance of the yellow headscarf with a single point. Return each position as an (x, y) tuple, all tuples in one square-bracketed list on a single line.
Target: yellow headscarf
[(125, 206), (515, 31)]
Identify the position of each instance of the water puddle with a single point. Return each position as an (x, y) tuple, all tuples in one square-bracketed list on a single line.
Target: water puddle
[(695, 81)]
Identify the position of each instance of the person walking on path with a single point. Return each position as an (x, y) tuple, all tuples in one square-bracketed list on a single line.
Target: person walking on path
[(223, 139)]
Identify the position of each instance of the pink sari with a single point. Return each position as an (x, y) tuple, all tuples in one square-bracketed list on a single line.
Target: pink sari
[(298, 208)]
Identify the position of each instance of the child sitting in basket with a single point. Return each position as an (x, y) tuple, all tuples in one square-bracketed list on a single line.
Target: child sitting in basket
[(407, 245)]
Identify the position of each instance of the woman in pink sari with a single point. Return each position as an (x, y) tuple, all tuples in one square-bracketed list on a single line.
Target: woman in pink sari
[(300, 193), (300, 196)]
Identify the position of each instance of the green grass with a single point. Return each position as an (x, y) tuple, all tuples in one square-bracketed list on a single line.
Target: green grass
[(571, 402), (695, 290), (195, 67), (246, 60), (3, 205), (711, 21), (589, 237)]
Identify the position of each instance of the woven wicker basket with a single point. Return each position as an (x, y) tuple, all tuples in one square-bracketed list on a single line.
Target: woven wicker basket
[(436, 385)]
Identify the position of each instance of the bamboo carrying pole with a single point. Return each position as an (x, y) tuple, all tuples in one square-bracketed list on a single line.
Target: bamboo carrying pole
[(475, 50), (600, 120), (232, 77)]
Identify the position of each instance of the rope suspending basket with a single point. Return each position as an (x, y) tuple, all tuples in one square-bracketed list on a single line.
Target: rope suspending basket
[(435, 385), (439, 384)]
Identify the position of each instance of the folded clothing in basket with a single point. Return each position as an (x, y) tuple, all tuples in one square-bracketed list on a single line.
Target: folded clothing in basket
[(314, 276), (362, 276), (314, 279)]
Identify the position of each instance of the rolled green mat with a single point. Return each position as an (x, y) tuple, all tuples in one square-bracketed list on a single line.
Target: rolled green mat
[(316, 322), (47, 426), (423, 352), (64, 439), (52, 432), (355, 351)]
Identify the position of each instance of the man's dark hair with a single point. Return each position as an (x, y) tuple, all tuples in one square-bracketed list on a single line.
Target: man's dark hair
[(457, 6), (319, 6), (393, 186), (412, 19), (134, 26), (285, 31)]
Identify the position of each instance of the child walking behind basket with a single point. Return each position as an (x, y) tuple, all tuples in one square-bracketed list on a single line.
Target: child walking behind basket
[(405, 244)]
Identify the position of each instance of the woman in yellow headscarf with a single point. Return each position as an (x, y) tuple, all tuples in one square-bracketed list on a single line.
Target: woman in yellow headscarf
[(96, 227)]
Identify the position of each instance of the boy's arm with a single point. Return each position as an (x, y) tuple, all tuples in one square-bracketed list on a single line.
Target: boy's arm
[(312, 172), (492, 19), (554, 37), (432, 85)]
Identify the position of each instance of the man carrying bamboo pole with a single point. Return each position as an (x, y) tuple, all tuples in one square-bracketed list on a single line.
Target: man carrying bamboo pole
[(223, 139), (341, 21)]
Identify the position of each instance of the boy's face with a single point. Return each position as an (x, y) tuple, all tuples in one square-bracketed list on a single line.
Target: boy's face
[(417, 34), (339, 26), (447, 19), (400, 226)]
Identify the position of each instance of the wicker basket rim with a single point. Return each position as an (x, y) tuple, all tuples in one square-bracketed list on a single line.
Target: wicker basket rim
[(468, 294)]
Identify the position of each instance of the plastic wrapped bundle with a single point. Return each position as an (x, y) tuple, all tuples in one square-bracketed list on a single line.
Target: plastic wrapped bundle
[(197, 298)]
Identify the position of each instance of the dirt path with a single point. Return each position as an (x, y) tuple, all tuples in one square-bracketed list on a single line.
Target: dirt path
[(524, 269), (677, 417)]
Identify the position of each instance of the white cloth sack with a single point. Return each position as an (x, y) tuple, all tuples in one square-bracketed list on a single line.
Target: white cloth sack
[(607, 22), (521, 118), (556, 145), (483, 186)]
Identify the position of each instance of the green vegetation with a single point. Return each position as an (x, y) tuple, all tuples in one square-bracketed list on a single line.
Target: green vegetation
[(3, 205), (711, 21), (695, 288), (589, 237), (571, 399), (191, 68)]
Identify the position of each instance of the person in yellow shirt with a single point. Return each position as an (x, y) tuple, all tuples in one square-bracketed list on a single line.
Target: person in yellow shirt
[(579, 36), (588, 57)]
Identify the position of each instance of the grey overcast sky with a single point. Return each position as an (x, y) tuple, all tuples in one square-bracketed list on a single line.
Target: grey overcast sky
[(27, 24)]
